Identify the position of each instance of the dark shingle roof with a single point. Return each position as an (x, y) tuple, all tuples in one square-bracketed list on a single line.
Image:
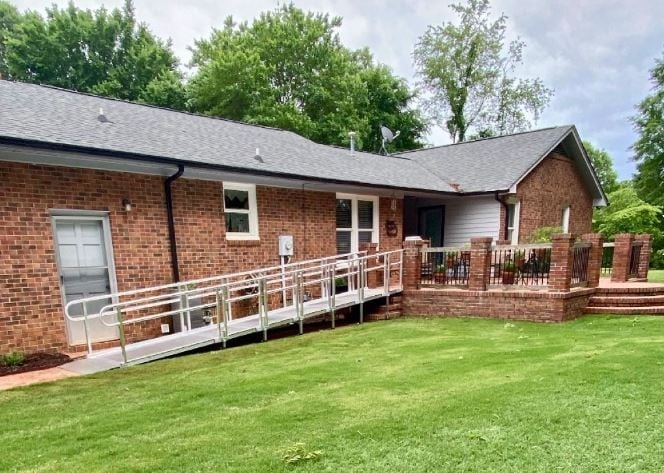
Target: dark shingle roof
[(492, 163), (56, 116), (35, 113)]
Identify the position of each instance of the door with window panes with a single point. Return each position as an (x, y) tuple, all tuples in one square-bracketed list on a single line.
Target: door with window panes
[(357, 222)]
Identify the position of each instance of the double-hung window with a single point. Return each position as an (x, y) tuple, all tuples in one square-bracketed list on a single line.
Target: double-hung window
[(513, 223), (357, 222), (240, 212), (565, 219)]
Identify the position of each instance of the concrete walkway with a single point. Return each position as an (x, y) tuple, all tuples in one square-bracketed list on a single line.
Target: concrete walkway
[(34, 377)]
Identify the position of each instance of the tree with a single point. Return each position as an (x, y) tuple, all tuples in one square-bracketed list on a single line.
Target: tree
[(288, 69), (603, 164), (102, 52), (649, 146), (467, 71), (9, 18), (627, 213)]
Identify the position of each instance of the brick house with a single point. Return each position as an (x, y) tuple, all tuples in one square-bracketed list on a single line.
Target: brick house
[(100, 195)]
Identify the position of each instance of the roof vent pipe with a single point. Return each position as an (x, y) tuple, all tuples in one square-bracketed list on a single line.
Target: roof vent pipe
[(351, 135)]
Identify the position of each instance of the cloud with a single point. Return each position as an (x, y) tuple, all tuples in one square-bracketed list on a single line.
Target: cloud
[(595, 54)]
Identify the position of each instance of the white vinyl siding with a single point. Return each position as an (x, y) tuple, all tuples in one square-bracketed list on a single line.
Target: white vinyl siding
[(470, 217)]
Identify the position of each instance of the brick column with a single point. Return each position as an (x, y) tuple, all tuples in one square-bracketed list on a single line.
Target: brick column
[(621, 254), (646, 250), (595, 257), (480, 263), (560, 274), (372, 276), (412, 263)]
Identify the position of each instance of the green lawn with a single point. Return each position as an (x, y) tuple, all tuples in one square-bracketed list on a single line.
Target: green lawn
[(405, 395), (656, 275)]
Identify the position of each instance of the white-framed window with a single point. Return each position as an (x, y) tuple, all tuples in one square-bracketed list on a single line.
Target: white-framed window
[(565, 219), (240, 211), (513, 222), (357, 221)]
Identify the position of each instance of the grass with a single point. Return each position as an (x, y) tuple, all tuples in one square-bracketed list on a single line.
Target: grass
[(656, 275), (407, 395)]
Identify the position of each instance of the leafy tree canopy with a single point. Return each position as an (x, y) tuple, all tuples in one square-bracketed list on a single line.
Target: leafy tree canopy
[(467, 71), (102, 52), (9, 18), (649, 147), (603, 164), (627, 212), (288, 69)]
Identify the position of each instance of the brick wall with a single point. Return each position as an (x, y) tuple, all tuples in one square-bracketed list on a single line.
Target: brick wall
[(31, 312), (553, 184), (538, 306)]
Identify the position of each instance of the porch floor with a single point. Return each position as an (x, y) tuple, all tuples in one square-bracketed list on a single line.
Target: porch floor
[(606, 283), (169, 345)]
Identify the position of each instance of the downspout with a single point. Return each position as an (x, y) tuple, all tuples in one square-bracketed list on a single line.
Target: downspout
[(506, 221), (171, 222)]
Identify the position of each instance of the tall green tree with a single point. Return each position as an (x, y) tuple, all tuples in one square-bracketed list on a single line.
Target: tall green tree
[(603, 164), (467, 70), (649, 146), (102, 52), (289, 69), (9, 19), (627, 213)]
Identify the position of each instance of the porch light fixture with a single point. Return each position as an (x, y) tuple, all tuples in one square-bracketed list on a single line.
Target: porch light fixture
[(126, 204)]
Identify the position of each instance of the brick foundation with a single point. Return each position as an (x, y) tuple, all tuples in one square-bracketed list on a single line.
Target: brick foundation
[(539, 306)]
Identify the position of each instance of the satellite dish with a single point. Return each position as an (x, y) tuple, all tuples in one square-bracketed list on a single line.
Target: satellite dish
[(388, 137)]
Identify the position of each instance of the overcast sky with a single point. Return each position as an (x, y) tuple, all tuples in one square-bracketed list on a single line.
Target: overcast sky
[(595, 54)]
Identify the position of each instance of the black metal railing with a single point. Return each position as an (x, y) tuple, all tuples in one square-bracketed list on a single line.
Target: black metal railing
[(634, 259), (607, 259), (580, 258), (527, 265), (445, 266)]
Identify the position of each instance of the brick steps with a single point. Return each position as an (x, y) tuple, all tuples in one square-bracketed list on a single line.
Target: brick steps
[(622, 310), (630, 301), (630, 291), (382, 312)]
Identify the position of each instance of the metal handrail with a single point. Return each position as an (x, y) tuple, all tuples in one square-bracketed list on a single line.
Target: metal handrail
[(228, 289)]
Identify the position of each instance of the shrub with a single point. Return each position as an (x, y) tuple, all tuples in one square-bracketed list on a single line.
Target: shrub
[(14, 358), (543, 234)]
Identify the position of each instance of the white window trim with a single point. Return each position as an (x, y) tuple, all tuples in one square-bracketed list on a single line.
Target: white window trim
[(252, 234), (565, 217), (354, 229), (515, 228)]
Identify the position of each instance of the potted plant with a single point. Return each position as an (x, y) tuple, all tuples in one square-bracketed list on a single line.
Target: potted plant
[(519, 259), (509, 272), (440, 275)]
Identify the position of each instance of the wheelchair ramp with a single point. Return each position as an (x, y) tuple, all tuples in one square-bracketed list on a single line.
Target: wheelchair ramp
[(238, 304)]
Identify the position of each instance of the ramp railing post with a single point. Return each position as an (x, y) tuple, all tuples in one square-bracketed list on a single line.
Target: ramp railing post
[(123, 348), (300, 300), (88, 341), (360, 290), (332, 293), (221, 316), (263, 309), (225, 310), (183, 309)]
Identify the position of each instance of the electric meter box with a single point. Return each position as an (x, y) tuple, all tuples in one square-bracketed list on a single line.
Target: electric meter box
[(285, 245)]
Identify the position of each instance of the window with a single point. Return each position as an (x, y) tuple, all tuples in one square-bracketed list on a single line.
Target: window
[(565, 219), (240, 212), (357, 222), (513, 223)]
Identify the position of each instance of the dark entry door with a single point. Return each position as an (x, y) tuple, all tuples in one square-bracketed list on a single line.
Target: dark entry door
[(432, 224)]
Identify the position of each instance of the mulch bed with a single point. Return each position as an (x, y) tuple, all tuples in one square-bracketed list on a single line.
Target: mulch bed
[(36, 361)]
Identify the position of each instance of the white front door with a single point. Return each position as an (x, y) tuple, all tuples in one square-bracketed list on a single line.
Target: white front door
[(84, 262)]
